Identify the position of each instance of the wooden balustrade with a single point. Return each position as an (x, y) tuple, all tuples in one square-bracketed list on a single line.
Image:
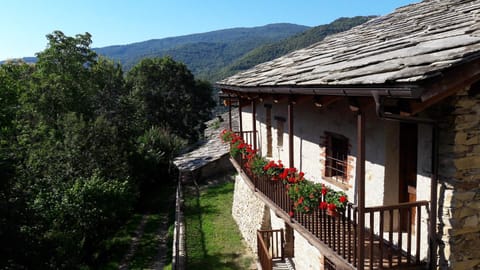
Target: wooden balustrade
[(388, 227), (270, 246), (386, 243), (274, 240), (247, 136), (264, 255)]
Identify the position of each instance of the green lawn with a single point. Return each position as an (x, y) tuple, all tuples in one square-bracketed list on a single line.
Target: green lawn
[(212, 238)]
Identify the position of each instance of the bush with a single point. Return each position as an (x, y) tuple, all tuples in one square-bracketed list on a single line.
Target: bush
[(155, 151), (74, 219)]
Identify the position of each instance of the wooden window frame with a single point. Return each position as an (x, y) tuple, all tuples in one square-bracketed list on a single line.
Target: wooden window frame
[(336, 158), (280, 130)]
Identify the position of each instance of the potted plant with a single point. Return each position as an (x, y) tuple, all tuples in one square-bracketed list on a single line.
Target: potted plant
[(334, 201), (305, 196), (227, 135), (257, 165), (237, 145), (273, 169)]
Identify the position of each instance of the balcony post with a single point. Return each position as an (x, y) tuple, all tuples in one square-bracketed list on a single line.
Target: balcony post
[(432, 230), (254, 124), (360, 174), (229, 112), (291, 163), (240, 117), (289, 249)]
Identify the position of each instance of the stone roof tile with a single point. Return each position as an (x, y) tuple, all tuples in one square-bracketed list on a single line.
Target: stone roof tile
[(409, 45)]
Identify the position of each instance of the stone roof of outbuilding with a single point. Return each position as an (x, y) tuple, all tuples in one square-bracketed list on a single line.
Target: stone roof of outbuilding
[(211, 148), (412, 44)]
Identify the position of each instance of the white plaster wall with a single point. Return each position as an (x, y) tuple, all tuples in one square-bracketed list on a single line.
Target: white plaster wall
[(310, 126), (277, 222)]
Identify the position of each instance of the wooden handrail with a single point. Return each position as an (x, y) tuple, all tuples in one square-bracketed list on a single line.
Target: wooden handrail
[(263, 254), (396, 206)]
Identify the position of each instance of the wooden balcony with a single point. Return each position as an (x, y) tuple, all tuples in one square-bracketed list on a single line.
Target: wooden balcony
[(386, 245)]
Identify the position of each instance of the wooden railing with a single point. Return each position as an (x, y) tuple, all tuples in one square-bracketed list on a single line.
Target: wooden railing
[(384, 238), (388, 228), (264, 255), (248, 136), (270, 244)]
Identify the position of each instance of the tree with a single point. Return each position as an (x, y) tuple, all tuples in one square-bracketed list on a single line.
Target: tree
[(77, 143), (167, 95), (68, 185), (63, 77), (14, 79)]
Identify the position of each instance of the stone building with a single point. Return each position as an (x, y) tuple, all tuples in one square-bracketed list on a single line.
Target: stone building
[(389, 113)]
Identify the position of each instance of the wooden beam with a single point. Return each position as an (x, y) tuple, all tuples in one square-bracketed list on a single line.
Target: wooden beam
[(451, 82), (353, 104), (240, 117), (291, 162), (229, 112), (432, 230), (360, 175), (279, 98), (254, 124), (324, 101)]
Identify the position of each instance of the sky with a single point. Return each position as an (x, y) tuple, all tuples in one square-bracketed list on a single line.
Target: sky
[(24, 23)]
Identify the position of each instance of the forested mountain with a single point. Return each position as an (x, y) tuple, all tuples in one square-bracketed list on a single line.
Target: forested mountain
[(214, 55), (276, 49), (205, 51)]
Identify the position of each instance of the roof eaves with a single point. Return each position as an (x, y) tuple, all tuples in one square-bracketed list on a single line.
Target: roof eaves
[(398, 91)]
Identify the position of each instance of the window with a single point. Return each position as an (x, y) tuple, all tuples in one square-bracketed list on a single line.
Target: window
[(336, 157), (280, 124)]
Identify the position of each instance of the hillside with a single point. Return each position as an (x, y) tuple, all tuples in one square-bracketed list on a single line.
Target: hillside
[(203, 52), (215, 55), (274, 50)]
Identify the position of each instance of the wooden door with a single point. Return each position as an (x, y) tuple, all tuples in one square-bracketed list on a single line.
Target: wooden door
[(408, 170)]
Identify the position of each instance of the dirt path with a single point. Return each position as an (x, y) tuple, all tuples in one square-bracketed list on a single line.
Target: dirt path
[(134, 245)]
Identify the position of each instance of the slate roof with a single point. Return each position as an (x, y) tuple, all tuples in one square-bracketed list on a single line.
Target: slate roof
[(210, 149), (414, 43)]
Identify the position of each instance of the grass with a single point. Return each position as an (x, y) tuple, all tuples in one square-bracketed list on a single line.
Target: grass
[(118, 245), (212, 238), (158, 207)]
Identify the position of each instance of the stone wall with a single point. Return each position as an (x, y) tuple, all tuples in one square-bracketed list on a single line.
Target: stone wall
[(216, 167), (459, 172), (248, 211)]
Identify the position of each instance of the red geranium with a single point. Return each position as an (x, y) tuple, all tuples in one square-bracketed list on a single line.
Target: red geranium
[(331, 206), (323, 205), (324, 190)]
